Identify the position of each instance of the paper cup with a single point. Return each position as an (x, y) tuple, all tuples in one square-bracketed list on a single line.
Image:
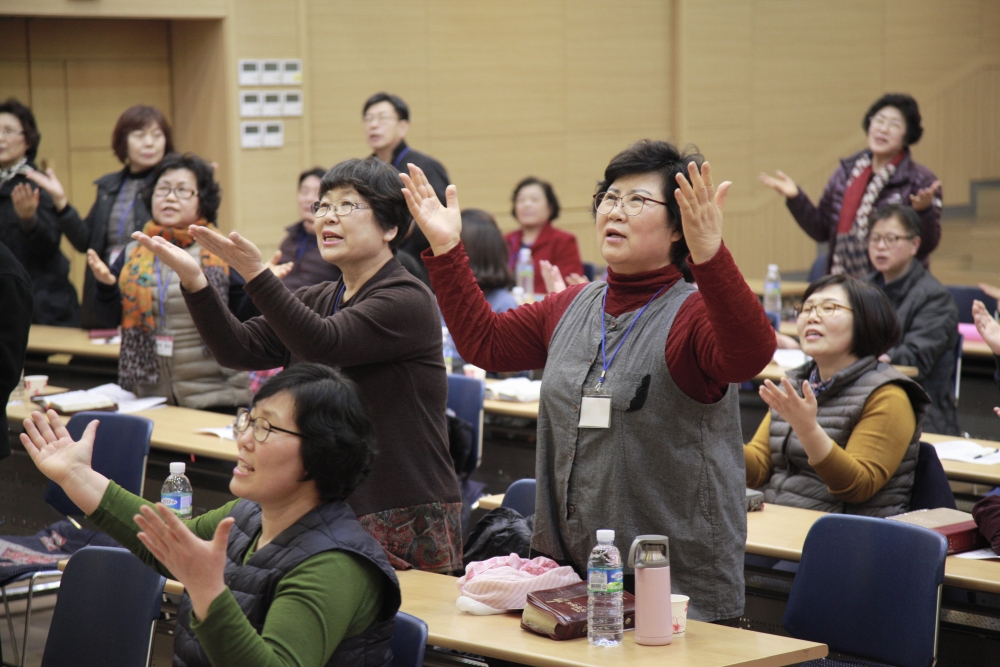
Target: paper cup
[(679, 610), (35, 384), (472, 371)]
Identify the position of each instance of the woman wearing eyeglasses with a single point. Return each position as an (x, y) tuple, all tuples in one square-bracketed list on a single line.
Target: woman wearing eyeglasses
[(284, 575), (379, 325), (638, 423), (884, 173), (843, 430), (161, 351)]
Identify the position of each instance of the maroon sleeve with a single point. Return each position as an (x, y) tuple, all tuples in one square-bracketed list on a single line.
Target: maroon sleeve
[(515, 340), (721, 334)]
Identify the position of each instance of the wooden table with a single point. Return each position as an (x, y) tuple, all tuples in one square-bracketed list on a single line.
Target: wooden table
[(780, 532), (967, 472), (789, 288), (431, 597), (527, 410), (490, 502), (64, 340)]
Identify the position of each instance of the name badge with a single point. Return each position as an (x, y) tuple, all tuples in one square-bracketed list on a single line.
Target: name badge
[(595, 409), (164, 345)]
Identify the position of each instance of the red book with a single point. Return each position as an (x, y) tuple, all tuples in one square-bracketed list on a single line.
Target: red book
[(561, 613), (958, 527), (103, 333)]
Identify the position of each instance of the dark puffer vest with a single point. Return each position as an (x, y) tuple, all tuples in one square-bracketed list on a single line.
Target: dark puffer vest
[(253, 584), (794, 482)]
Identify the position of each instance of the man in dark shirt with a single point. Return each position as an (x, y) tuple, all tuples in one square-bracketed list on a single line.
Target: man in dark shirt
[(386, 121), (299, 246), (16, 303)]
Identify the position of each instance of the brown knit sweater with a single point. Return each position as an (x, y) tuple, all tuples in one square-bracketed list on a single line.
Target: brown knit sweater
[(386, 338)]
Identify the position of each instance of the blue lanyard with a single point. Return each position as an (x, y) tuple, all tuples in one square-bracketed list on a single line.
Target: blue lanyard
[(121, 223), (399, 159), (303, 243), (336, 301), (604, 332), (162, 289)]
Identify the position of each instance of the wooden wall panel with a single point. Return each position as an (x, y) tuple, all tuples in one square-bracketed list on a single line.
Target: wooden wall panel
[(14, 59)]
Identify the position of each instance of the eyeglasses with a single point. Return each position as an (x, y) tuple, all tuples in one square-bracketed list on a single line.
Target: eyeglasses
[(8, 132), (182, 192), (261, 427), (884, 121), (605, 202), (380, 119), (890, 240), (825, 309), (342, 207)]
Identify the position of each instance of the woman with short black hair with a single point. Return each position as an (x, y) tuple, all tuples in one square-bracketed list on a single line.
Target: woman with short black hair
[(140, 139), (379, 325), (535, 206), (843, 431), (883, 173), (282, 575)]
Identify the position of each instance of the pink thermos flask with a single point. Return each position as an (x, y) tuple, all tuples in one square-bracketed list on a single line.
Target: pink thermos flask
[(650, 557)]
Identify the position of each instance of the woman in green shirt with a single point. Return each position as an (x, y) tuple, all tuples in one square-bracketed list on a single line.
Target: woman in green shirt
[(284, 576)]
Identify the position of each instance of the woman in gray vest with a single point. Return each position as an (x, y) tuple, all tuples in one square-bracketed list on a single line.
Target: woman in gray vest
[(285, 574), (843, 431), (638, 424)]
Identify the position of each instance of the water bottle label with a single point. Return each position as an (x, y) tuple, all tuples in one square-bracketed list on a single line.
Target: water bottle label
[(605, 580), (178, 502)]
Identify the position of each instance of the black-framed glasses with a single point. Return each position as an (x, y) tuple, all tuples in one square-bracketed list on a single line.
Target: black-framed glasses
[(605, 202), (182, 191), (261, 427), (342, 207), (890, 240), (825, 309)]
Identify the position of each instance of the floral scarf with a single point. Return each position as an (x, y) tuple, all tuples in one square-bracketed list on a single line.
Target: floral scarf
[(138, 282), (850, 253), (19, 168)]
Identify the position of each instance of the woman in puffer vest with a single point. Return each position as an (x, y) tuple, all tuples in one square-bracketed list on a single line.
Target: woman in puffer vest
[(284, 574), (843, 430)]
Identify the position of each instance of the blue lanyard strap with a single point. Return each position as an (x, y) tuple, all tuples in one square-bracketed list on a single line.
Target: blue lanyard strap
[(340, 293), (604, 332), (399, 158), (161, 289)]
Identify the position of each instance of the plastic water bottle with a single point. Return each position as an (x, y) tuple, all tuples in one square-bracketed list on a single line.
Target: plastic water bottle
[(449, 350), (772, 290), (605, 586), (525, 270), (176, 492)]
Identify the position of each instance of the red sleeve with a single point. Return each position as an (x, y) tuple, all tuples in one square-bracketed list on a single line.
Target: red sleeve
[(567, 256), (721, 334), (515, 340)]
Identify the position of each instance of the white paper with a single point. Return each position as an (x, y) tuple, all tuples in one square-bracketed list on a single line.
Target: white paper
[(224, 432), (291, 72), (114, 340), (595, 412), (790, 358), (967, 451), (978, 554), (249, 72), (521, 390), (126, 400)]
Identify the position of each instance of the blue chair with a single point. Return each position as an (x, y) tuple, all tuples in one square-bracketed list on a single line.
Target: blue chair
[(520, 497), (964, 296), (930, 482), (109, 602), (121, 448), (869, 588), (589, 270), (465, 398), (409, 641)]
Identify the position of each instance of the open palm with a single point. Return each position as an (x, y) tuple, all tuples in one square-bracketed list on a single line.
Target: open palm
[(442, 225), (53, 450)]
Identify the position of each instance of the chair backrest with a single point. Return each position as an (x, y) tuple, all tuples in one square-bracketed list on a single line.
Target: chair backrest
[(520, 497), (465, 398), (589, 270), (120, 451), (409, 640), (964, 296), (108, 604), (931, 488), (869, 588)]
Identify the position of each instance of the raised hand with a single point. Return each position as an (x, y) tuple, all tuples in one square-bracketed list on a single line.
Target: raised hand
[(198, 564), (798, 411), (552, 276), (25, 199), (100, 269), (987, 327), (234, 250), (187, 268), (701, 211), (923, 199), (991, 290), (50, 183), (442, 225), (576, 279), (780, 183), (278, 269)]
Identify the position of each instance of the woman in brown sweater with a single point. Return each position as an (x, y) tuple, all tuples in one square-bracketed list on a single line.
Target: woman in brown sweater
[(380, 326)]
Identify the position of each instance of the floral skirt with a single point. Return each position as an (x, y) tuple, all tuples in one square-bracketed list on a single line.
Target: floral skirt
[(425, 537)]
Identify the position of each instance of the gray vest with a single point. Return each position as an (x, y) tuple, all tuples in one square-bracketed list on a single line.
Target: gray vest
[(327, 527), (668, 465), (794, 482)]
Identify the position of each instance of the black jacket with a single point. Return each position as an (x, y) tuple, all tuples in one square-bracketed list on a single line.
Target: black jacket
[(928, 317), (437, 175), (310, 268), (36, 247), (15, 305), (92, 232)]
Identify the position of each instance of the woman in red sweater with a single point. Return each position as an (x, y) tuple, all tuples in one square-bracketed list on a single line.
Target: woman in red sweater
[(638, 425), (534, 206)]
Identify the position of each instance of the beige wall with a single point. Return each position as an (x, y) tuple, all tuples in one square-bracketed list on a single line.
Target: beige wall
[(499, 90)]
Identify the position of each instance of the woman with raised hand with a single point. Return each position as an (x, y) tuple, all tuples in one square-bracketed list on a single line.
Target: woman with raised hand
[(843, 431), (638, 423), (284, 575), (379, 325), (140, 140), (161, 351)]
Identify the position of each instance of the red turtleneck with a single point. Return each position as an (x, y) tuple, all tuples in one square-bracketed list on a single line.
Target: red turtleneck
[(721, 334)]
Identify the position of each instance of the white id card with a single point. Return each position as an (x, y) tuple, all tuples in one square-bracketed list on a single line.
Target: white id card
[(595, 409), (164, 345)]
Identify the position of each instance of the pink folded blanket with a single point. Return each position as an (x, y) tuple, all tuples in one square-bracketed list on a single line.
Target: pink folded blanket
[(503, 582)]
